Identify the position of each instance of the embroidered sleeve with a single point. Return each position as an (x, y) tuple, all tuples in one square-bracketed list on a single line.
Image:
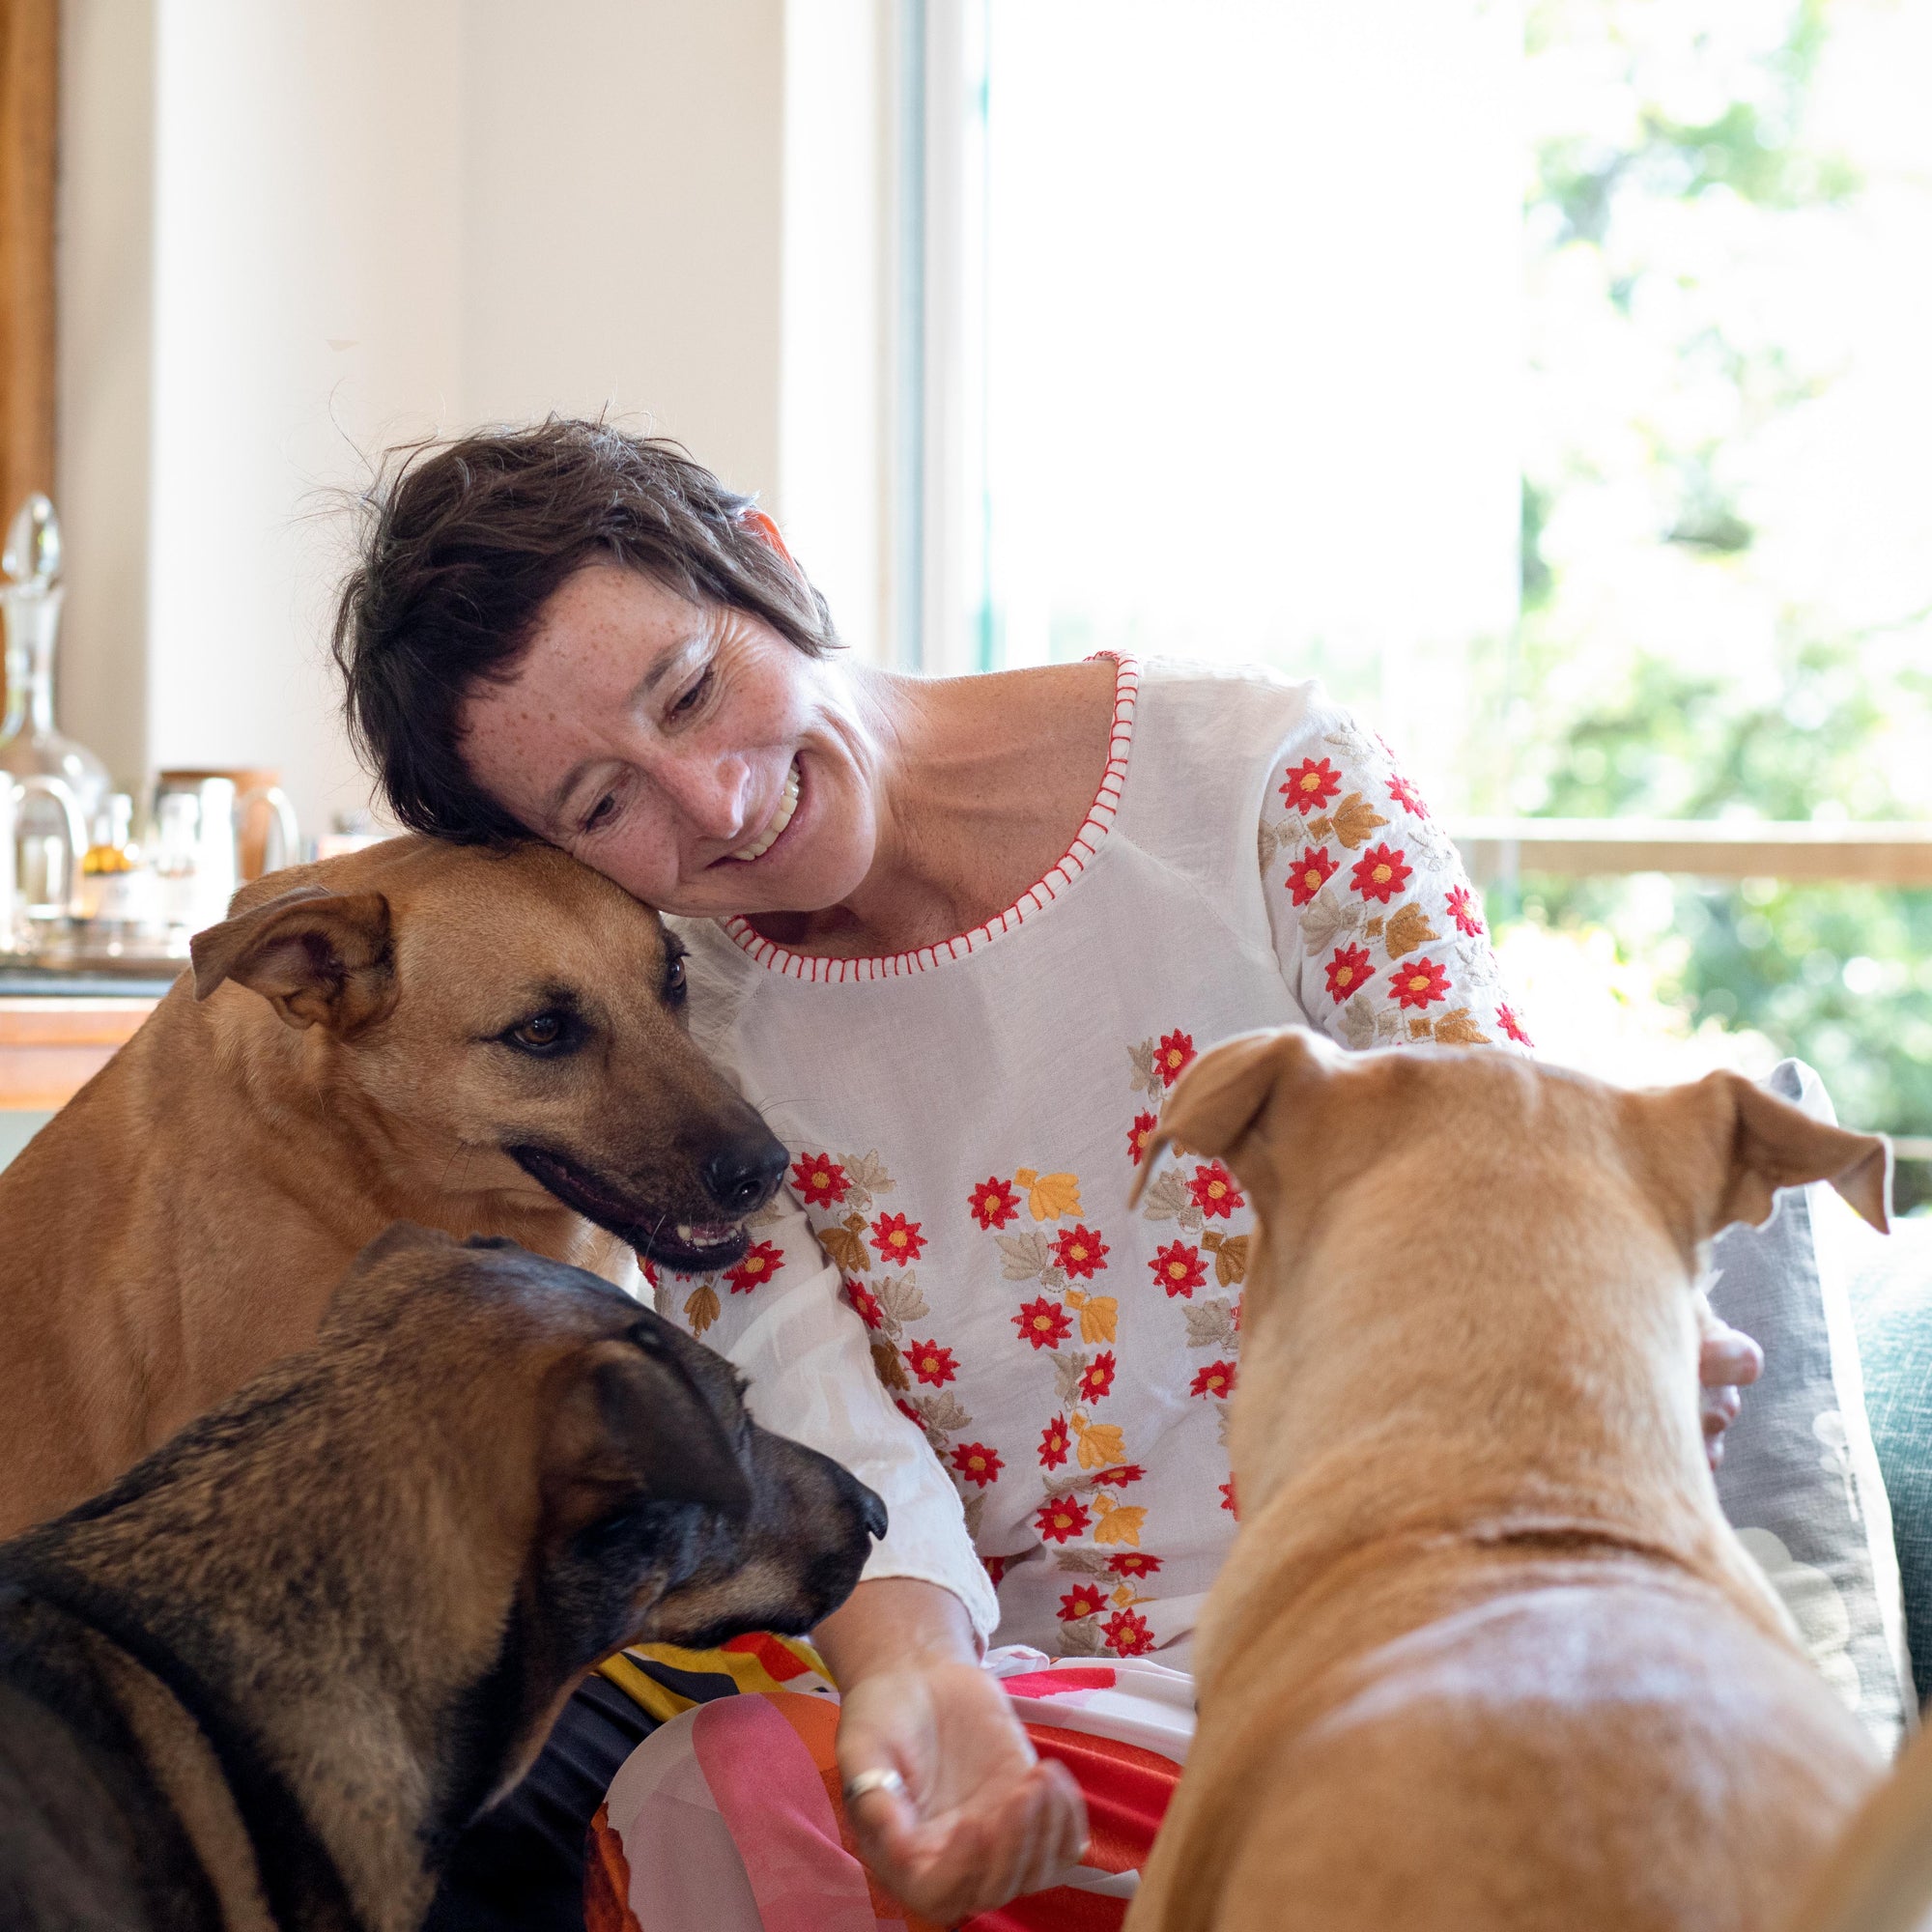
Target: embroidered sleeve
[(780, 1316), (1378, 928)]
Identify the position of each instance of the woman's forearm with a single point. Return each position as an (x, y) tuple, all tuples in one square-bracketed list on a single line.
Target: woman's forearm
[(892, 1622)]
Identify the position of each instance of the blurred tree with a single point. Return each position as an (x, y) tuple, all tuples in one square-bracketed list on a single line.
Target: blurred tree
[(1727, 577)]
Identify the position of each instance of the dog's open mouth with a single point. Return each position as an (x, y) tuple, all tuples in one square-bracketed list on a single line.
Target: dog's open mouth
[(690, 1248)]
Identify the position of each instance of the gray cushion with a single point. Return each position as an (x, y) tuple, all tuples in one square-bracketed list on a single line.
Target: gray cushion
[(1800, 1479), (1891, 1300)]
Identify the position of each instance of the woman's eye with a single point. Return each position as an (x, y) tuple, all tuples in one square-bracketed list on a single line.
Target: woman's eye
[(693, 696), (602, 812), (544, 1030)]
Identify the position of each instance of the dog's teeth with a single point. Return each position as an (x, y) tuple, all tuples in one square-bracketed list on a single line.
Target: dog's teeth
[(781, 819)]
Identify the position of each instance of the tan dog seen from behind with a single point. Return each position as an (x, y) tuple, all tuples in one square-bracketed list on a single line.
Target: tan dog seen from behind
[(1486, 1653), (482, 1041)]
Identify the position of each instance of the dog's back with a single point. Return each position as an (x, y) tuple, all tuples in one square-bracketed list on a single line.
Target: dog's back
[(1562, 1743), (87, 1838)]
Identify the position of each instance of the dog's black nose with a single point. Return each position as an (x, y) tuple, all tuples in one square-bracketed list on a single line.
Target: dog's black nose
[(743, 1173), (872, 1510)]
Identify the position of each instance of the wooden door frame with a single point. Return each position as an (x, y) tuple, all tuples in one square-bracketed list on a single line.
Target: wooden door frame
[(29, 116)]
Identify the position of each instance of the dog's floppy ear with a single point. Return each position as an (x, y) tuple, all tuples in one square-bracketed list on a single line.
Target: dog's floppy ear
[(320, 958), (633, 1423), (1723, 1147), (1216, 1102)]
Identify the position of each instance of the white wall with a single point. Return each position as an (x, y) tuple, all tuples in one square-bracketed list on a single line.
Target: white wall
[(293, 233)]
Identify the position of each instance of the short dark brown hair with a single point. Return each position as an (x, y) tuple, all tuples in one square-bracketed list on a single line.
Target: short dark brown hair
[(464, 542)]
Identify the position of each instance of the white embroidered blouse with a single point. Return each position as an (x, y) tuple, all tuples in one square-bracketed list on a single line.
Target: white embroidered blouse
[(953, 1298)]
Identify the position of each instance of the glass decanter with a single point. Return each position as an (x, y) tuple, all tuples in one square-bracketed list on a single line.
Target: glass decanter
[(31, 744)]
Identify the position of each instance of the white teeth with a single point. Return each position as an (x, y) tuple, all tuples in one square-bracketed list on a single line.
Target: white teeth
[(705, 1233), (781, 819)]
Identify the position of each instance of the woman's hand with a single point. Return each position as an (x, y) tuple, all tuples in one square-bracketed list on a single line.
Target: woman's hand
[(980, 1819), (1727, 1361)]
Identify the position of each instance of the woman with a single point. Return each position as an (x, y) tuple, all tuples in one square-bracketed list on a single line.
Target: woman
[(956, 938)]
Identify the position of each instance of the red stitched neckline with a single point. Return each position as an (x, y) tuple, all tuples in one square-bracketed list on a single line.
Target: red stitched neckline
[(1087, 841)]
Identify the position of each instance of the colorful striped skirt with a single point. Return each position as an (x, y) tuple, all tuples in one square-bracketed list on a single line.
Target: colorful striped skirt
[(728, 1818)]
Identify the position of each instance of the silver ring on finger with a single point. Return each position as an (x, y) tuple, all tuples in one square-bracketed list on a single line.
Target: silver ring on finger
[(869, 1781)]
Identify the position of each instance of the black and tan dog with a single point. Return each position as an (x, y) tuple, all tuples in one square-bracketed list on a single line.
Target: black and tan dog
[(264, 1680)]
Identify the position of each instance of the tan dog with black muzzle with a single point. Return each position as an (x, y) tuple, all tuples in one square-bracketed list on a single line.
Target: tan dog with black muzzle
[(484, 1041), (1486, 1654)]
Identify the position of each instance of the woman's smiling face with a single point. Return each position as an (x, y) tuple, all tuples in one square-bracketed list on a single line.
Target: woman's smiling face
[(686, 750)]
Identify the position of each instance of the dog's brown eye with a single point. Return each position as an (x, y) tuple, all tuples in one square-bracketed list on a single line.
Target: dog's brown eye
[(674, 977), (545, 1030)]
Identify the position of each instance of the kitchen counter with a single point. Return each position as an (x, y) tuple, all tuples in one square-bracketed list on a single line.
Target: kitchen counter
[(58, 1030)]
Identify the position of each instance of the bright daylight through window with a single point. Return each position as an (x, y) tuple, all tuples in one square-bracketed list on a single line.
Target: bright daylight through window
[(1553, 381)]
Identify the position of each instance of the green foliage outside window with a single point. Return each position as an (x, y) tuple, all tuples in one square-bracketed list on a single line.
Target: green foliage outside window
[(1728, 524)]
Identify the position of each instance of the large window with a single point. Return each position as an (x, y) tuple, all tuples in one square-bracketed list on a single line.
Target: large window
[(1552, 381)]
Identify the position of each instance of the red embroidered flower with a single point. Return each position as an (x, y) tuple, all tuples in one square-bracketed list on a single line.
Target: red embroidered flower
[(1462, 910), (1127, 1632), (1042, 1322), (1348, 972), (1313, 870), (1084, 1599), (1228, 1499), (977, 1463), (931, 1363), (994, 1202), (1054, 1443), (1311, 785), (866, 1302), (1214, 1191), (1080, 1251), (996, 1569), (911, 1415), (1171, 1059), (758, 1264), (1416, 982), (1138, 1136), (1405, 794), (1119, 1475), (1217, 1378), (1510, 1025), (896, 1238), (1097, 1377), (648, 1271), (1131, 1563), (1379, 875), (820, 1179), (1062, 1519), (1178, 1268)]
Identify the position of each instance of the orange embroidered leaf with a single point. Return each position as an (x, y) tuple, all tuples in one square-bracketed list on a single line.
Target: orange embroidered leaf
[(845, 1248), (1049, 1196), (700, 1308), (888, 1367), (1100, 1442), (1230, 1260), (1319, 828), (1098, 1313), (1457, 1027), (1354, 820), (1407, 928), (1120, 1524)]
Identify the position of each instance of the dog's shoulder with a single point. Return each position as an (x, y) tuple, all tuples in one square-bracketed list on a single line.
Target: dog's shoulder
[(90, 1837)]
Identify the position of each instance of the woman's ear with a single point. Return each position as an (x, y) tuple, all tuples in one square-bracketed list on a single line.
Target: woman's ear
[(755, 520)]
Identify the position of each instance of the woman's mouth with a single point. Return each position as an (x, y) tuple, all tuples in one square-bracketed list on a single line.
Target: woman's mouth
[(779, 819)]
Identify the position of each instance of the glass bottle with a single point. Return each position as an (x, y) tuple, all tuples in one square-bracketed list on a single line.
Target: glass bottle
[(30, 742)]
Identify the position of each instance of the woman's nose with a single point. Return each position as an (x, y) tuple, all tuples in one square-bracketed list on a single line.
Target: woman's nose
[(711, 794)]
